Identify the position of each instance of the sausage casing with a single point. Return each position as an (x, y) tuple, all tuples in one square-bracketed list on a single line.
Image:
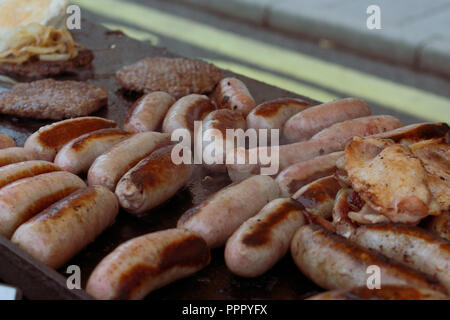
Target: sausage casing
[(146, 263), (263, 239), (49, 139), (25, 169), (216, 218), (56, 234), (148, 112), (24, 198), (108, 168), (152, 181), (334, 262), (79, 154)]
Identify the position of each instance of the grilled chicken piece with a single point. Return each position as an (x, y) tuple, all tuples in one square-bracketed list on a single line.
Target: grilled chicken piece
[(50, 99), (435, 157), (390, 179), (416, 132), (37, 69), (176, 76)]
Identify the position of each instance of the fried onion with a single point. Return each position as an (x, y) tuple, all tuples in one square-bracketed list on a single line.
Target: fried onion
[(45, 43)]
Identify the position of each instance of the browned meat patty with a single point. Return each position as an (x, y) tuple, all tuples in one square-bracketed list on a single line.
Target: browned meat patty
[(176, 76), (51, 99), (36, 69)]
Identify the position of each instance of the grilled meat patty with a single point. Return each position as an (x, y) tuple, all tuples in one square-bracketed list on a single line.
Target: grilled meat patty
[(51, 99), (176, 76), (36, 69)]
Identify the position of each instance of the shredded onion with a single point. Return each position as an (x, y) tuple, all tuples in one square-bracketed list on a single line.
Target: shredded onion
[(45, 43)]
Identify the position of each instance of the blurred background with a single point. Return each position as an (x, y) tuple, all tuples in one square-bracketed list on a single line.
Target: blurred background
[(396, 57)]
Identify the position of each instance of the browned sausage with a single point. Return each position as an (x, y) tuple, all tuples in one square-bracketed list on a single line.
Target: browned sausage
[(49, 139), (334, 262), (143, 264), (25, 169), (231, 93), (56, 234)]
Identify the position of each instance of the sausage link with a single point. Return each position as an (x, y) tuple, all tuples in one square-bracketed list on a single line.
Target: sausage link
[(299, 174), (146, 263), (23, 199), (273, 114), (49, 139), (334, 262), (263, 239), (14, 155), (25, 169), (305, 124), (318, 196), (6, 141), (58, 233), (231, 93), (154, 180), (148, 112), (409, 245), (216, 218), (108, 168), (183, 113)]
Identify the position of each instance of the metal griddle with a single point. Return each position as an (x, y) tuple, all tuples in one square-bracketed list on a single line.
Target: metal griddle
[(112, 51)]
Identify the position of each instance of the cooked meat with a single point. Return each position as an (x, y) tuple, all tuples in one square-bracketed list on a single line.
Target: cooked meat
[(50, 99), (35, 69), (176, 76), (435, 157), (390, 179)]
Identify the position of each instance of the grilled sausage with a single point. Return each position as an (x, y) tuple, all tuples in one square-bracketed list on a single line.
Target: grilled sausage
[(299, 174), (152, 181), (273, 114), (108, 168), (416, 132), (409, 245), (148, 112), (263, 239), (334, 262), (318, 196), (185, 111), (307, 123), (440, 225), (14, 155), (329, 140), (58, 233), (49, 139), (146, 263), (79, 154), (6, 141), (389, 292), (25, 169), (24, 198), (216, 218), (215, 138), (231, 93)]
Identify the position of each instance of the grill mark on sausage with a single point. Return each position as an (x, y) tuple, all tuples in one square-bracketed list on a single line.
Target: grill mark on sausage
[(319, 192), (364, 256), (44, 202), (155, 169), (82, 142), (188, 252), (39, 169), (271, 108), (198, 110), (187, 215), (72, 202), (261, 232), (226, 119), (64, 132), (296, 184)]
